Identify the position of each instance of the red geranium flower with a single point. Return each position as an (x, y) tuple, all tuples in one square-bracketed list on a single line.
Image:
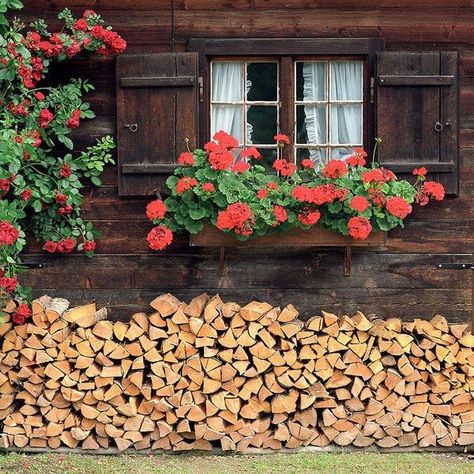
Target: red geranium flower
[(186, 159), (22, 313), (355, 160), (225, 140), (156, 209), (9, 283), (185, 183), (272, 185), (398, 207), (309, 217), (237, 217), (240, 167), (280, 213), (359, 203), (159, 237), (430, 189), (285, 168), (372, 175), (208, 187), (280, 138), (8, 233), (420, 171), (359, 227), (220, 160), (262, 193), (251, 152), (307, 163), (335, 169)]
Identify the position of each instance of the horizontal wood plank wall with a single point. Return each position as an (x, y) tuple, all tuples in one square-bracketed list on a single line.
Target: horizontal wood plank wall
[(401, 281)]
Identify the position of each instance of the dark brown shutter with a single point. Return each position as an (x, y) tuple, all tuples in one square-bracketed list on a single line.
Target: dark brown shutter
[(417, 113), (157, 109)]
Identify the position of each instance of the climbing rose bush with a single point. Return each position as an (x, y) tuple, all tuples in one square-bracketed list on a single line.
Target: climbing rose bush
[(231, 191), (40, 178)]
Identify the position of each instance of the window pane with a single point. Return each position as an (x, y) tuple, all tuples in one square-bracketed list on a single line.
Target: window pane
[(311, 124), (346, 126), (262, 81), (228, 118), (269, 155), (346, 80), (341, 153), (317, 155), (311, 81), (227, 79), (261, 124)]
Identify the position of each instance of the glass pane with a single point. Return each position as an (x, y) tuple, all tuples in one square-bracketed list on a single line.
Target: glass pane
[(341, 153), (311, 124), (228, 118), (311, 81), (262, 81), (227, 79), (346, 80), (261, 124), (269, 155), (316, 155), (346, 124)]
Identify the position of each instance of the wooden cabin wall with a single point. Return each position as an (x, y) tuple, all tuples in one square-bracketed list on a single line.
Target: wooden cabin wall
[(402, 281)]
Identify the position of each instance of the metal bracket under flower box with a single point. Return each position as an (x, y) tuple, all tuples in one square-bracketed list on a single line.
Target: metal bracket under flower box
[(298, 238)]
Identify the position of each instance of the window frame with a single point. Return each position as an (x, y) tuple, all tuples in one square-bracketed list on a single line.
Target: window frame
[(288, 51)]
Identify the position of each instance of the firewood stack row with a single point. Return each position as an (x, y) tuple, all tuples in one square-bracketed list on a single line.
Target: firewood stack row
[(213, 374)]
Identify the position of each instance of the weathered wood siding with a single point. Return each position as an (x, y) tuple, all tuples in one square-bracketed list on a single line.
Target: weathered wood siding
[(402, 281)]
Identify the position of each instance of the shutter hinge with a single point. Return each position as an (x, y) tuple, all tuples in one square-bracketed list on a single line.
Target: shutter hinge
[(372, 89), (201, 88)]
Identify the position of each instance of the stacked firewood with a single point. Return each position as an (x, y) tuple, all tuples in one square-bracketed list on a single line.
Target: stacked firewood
[(213, 374)]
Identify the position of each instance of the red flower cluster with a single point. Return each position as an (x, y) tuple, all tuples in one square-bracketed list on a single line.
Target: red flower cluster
[(186, 159), (285, 168), (66, 245), (237, 217), (430, 190), (420, 171), (74, 120), (45, 118), (8, 233), (159, 237), (309, 216), (359, 227), (240, 167), (89, 245), (225, 141), (185, 183), (262, 193), (307, 163), (251, 152), (377, 197), (357, 158), (281, 139), (374, 175), (219, 155), (113, 43), (22, 313), (359, 203), (26, 195), (65, 171), (280, 214), (208, 187), (335, 169), (156, 209), (322, 194), (398, 207), (9, 284)]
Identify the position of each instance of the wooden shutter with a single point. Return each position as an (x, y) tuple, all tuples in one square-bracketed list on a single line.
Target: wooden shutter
[(417, 113), (157, 109)]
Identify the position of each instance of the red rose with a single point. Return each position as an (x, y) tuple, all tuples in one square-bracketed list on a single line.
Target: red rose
[(285, 168), (398, 207), (281, 139), (65, 171), (4, 185), (39, 96), (65, 210), (66, 245), (280, 213), (73, 49), (335, 169), (45, 118), (307, 163), (8, 233), (420, 171), (50, 246), (26, 195), (18, 319), (159, 237), (23, 310), (240, 167), (88, 13), (89, 246), (61, 198), (262, 193), (156, 209), (359, 203), (74, 120), (80, 25), (186, 159), (251, 152), (208, 187), (359, 227)]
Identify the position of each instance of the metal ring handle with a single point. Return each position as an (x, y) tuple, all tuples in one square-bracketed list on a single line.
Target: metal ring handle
[(133, 127), (438, 126)]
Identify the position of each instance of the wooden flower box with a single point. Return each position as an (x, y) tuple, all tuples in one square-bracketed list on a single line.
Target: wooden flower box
[(298, 238)]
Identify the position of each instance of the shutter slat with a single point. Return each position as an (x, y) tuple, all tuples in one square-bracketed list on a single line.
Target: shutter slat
[(158, 93), (416, 114)]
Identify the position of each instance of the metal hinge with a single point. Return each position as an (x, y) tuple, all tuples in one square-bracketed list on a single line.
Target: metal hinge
[(201, 88), (372, 90)]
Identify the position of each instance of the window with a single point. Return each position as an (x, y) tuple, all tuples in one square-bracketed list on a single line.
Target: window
[(324, 99)]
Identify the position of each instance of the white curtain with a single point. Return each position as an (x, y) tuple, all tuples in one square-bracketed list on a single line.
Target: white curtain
[(346, 84), (314, 89), (227, 87)]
